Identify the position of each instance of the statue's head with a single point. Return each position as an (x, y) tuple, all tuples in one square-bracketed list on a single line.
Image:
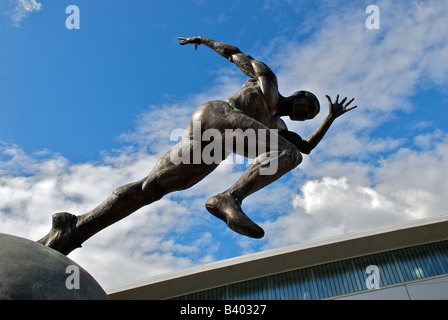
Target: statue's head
[(303, 106)]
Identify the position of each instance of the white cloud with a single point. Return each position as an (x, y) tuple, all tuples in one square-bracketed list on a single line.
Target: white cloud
[(408, 185), (22, 9), (355, 180), (382, 68), (145, 241), (327, 207)]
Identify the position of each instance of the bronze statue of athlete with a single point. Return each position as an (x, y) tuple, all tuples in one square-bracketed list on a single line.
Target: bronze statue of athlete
[(258, 105)]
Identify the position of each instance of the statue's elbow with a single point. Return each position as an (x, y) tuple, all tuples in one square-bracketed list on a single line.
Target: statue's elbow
[(305, 149)]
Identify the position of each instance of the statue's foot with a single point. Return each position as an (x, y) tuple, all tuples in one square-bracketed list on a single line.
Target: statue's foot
[(228, 209), (62, 236)]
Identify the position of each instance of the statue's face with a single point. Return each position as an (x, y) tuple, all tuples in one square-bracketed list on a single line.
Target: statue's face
[(304, 108)]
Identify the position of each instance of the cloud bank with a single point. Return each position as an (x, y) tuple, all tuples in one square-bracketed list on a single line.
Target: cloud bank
[(22, 9), (357, 178)]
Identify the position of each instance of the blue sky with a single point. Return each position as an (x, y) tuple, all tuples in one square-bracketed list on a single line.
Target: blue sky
[(98, 79), (86, 111)]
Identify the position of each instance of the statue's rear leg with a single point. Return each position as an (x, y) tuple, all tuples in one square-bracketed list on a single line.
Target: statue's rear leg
[(69, 231)]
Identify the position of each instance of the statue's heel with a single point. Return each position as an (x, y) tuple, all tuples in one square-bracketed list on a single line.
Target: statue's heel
[(62, 236), (229, 210)]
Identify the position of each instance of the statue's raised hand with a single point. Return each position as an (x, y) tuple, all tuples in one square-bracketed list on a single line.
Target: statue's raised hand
[(337, 108)]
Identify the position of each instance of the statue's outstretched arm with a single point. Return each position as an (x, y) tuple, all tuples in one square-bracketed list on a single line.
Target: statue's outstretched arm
[(248, 65)]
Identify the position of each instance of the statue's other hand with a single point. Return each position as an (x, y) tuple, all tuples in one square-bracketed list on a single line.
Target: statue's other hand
[(339, 108)]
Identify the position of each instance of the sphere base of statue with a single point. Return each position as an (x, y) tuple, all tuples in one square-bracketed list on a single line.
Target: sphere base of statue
[(32, 271)]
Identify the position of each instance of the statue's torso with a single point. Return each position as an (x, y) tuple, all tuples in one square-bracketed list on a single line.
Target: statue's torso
[(258, 98)]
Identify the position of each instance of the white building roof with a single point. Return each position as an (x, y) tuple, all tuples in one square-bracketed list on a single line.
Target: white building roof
[(285, 259)]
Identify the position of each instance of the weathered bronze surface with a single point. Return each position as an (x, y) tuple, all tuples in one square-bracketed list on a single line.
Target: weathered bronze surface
[(257, 106), (31, 271)]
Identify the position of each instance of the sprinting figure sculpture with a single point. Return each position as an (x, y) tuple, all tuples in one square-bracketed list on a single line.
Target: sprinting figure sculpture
[(257, 106)]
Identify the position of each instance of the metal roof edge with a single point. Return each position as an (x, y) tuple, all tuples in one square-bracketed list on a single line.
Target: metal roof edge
[(285, 259)]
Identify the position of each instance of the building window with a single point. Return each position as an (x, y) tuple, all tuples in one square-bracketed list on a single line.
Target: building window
[(338, 278)]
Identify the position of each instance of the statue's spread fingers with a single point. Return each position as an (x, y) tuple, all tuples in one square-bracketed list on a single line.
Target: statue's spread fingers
[(349, 102)]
